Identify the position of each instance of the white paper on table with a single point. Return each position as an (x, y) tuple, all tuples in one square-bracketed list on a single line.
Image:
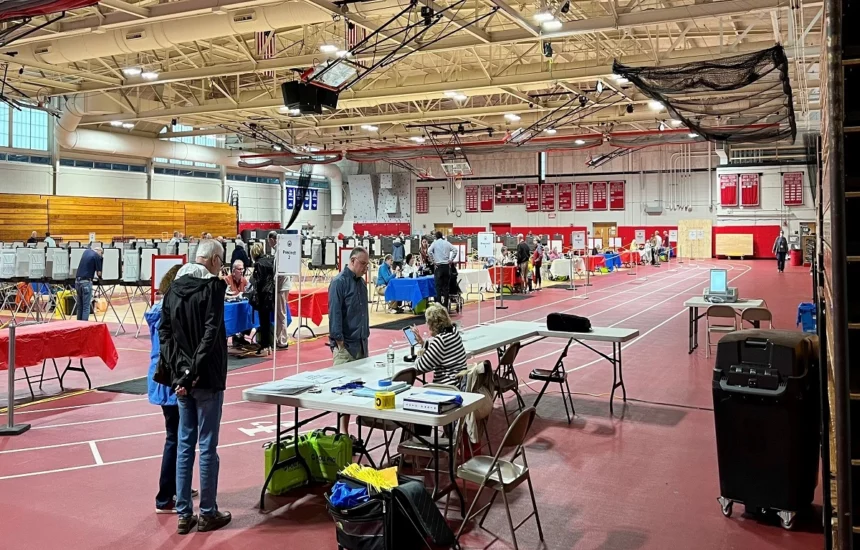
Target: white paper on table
[(315, 378)]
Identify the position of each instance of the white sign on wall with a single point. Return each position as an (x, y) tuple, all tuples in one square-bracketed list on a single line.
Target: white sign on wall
[(639, 235), (92, 237), (673, 235), (485, 244), (289, 260), (700, 234), (577, 240), (692, 236)]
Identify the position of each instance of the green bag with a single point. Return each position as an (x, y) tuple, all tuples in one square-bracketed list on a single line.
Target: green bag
[(604, 270), (294, 475), (330, 453), (421, 306)]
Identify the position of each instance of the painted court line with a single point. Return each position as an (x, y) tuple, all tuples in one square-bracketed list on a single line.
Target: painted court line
[(96, 455)]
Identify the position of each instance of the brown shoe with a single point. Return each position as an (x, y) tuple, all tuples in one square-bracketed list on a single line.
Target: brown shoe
[(213, 522), (186, 524)]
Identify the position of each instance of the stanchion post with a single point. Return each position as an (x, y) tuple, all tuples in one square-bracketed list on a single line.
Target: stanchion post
[(11, 428), (501, 288), (570, 271)]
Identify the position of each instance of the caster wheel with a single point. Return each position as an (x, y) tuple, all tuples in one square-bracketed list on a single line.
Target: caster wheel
[(726, 506), (786, 519)]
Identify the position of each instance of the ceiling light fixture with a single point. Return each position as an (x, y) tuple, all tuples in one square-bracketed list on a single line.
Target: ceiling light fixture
[(149, 75), (599, 87), (276, 147), (344, 53), (512, 117), (329, 48), (580, 142), (552, 25), (369, 127), (295, 112), (461, 97), (662, 125), (550, 131), (655, 105), (116, 123), (675, 122), (451, 93), (131, 71), (418, 139), (128, 125), (692, 135), (543, 15)]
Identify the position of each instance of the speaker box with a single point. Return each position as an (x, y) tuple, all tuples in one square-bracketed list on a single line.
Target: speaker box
[(308, 98)]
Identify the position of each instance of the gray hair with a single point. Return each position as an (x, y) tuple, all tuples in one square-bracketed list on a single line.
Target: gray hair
[(437, 318), (272, 235), (356, 251), (237, 263), (209, 248)]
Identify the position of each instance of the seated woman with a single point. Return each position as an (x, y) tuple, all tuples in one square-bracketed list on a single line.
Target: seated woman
[(444, 353), (409, 270)]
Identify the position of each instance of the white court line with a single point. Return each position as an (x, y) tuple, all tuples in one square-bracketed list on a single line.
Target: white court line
[(96, 455)]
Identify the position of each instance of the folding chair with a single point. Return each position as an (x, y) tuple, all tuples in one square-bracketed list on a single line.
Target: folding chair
[(755, 316), (719, 312), (502, 475), (387, 427), (556, 375), (505, 379)]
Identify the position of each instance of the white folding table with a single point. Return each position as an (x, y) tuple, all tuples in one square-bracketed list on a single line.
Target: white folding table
[(693, 305)]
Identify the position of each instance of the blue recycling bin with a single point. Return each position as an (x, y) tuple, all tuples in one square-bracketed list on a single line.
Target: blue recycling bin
[(807, 317)]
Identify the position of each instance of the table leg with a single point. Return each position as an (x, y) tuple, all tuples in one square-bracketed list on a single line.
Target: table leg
[(76, 369), (436, 462), (452, 475), (274, 467), (690, 329)]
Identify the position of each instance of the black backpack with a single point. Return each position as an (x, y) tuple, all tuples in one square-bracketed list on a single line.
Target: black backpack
[(262, 290)]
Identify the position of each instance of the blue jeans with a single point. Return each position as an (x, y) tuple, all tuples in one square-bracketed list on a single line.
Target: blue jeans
[(199, 412), (167, 480), (84, 289)]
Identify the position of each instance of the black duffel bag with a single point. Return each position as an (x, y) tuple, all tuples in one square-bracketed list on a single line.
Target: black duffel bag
[(566, 322)]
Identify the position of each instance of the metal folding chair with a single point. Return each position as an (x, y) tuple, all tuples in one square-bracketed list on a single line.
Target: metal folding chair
[(756, 315), (387, 427), (505, 379), (719, 312)]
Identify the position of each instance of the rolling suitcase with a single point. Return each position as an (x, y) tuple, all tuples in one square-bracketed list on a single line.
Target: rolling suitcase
[(767, 418)]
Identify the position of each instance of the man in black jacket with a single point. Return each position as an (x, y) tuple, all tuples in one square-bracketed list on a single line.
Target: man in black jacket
[(194, 362), (523, 254)]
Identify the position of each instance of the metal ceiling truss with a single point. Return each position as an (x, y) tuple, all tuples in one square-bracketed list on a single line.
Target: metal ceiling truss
[(256, 132), (571, 111), (16, 30), (600, 160), (445, 138), (409, 167), (407, 41)]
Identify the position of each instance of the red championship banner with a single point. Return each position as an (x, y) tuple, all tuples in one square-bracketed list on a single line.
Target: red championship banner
[(547, 197), (749, 189), (728, 190), (583, 195), (792, 189), (616, 195), (598, 195), (565, 197), (487, 198), (471, 198), (532, 191), (422, 200)]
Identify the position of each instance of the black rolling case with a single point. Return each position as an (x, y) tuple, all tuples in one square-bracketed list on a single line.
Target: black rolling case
[(767, 418)]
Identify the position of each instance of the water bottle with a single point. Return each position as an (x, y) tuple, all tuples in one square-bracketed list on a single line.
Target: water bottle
[(390, 357)]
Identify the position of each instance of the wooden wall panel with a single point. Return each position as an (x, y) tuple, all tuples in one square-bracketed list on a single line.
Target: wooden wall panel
[(22, 214), (700, 247), (213, 217), (74, 218), (152, 219)]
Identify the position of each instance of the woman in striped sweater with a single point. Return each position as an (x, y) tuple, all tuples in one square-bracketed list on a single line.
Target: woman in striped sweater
[(444, 353)]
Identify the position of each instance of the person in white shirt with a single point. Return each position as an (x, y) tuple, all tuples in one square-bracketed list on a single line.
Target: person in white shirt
[(49, 241), (408, 268), (284, 283)]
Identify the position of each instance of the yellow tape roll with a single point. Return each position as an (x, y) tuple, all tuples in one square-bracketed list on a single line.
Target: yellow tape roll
[(384, 400)]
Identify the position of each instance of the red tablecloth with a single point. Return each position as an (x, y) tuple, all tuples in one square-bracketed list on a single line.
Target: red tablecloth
[(35, 343), (508, 275), (628, 257), (314, 304), (592, 263)]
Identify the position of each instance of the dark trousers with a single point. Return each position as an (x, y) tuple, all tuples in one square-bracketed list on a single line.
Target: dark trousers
[(780, 261), (264, 333), (442, 278), (167, 480), (537, 266)]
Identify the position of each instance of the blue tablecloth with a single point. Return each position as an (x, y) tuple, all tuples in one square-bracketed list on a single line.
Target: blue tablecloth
[(410, 290), (613, 261), (240, 316)]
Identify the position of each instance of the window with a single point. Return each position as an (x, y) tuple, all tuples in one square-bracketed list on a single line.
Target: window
[(30, 129), (542, 166), (4, 125), (205, 141)]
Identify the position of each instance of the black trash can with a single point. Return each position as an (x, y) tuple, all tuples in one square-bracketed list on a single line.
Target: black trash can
[(767, 417)]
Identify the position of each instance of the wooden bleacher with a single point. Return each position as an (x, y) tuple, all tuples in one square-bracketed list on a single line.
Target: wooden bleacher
[(74, 218)]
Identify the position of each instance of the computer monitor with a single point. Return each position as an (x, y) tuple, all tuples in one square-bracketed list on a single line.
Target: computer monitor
[(719, 282)]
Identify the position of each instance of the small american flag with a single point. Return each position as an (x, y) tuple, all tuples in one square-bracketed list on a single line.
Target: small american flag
[(265, 42), (354, 35)]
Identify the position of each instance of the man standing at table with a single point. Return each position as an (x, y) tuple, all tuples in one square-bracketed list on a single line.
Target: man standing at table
[(192, 326), (523, 255), (282, 338), (442, 254), (348, 318), (90, 266)]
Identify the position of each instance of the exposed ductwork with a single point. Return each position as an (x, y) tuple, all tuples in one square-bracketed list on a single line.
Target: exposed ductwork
[(169, 33)]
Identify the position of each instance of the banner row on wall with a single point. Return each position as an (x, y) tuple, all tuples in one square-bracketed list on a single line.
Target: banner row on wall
[(750, 185), (545, 197), (311, 200)]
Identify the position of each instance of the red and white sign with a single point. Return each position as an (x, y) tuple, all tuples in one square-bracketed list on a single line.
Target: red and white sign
[(616, 195), (749, 189), (728, 190), (598, 195), (547, 197), (422, 200), (471, 198), (487, 198), (565, 197), (792, 189), (532, 191), (583, 195)]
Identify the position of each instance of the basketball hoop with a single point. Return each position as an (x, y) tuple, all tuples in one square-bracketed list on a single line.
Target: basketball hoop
[(457, 180)]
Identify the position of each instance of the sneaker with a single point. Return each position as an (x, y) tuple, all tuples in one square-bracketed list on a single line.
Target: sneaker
[(392, 310), (186, 524), (195, 493), (213, 522), (283, 346), (170, 508)]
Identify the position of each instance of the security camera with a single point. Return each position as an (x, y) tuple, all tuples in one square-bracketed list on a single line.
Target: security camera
[(531, 105), (583, 101)]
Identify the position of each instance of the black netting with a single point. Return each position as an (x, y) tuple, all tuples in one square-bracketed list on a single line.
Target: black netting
[(743, 98)]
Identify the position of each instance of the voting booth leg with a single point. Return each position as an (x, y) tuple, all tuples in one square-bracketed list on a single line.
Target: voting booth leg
[(11, 428)]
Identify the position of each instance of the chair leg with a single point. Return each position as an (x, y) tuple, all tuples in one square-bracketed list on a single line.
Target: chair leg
[(469, 512), (487, 509), (570, 397), (534, 504), (505, 409), (510, 519), (564, 401)]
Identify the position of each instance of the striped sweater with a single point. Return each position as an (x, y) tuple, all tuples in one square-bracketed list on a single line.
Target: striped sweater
[(445, 355)]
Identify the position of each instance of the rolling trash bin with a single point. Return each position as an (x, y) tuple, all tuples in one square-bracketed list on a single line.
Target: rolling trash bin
[(767, 417)]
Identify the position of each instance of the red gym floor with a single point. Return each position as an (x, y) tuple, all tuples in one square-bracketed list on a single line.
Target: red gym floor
[(85, 475)]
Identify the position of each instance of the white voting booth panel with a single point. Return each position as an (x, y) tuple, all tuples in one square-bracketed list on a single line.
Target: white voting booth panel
[(330, 253), (228, 252), (110, 264), (37, 264), (146, 255), (22, 262), (306, 247), (160, 266), (75, 255), (7, 263), (183, 249), (57, 263), (131, 265)]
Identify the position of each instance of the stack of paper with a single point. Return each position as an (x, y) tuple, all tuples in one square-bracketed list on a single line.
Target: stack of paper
[(369, 390), (434, 402), (285, 387)]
